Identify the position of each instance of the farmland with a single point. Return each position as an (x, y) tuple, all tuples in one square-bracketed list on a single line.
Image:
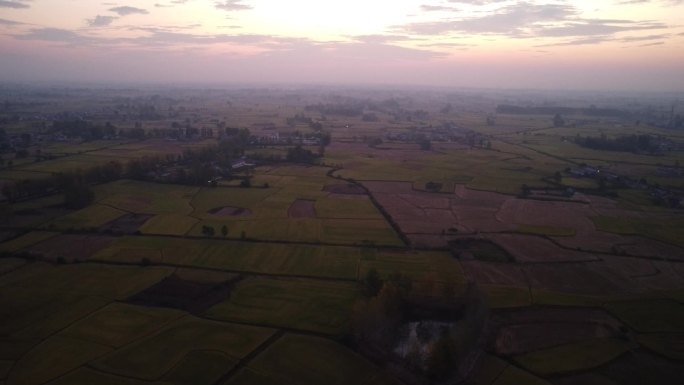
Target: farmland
[(266, 249)]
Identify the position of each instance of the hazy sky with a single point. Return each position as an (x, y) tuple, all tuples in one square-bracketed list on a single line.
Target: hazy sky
[(609, 44)]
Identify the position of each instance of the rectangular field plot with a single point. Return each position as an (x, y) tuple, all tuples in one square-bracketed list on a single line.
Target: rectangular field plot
[(310, 360), (146, 198), (168, 224), (118, 324), (113, 282), (439, 266), (26, 240), (87, 218), (53, 358), (174, 349), (29, 314), (268, 258), (573, 357), (307, 305)]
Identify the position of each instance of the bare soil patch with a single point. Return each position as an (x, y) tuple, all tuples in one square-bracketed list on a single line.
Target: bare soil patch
[(398, 208), (72, 247), (126, 224), (492, 273), (651, 248), (302, 208), (640, 367), (483, 198), (665, 278), (480, 249), (525, 330), (520, 339), (589, 278), (192, 296), (389, 187), (229, 211), (545, 213), (592, 240), (527, 248), (31, 217), (344, 189), (427, 200)]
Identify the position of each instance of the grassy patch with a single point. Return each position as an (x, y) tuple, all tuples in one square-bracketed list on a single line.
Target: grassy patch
[(545, 297), (573, 357), (29, 313), (145, 197), (650, 316), (358, 207), (310, 360), (26, 240), (318, 261), (506, 297), (490, 369), (89, 217), (52, 358), (668, 231), (118, 324), (200, 367), (83, 376), (482, 250), (514, 376), (113, 282), (168, 224), (668, 345), (547, 230), (153, 357), (316, 306)]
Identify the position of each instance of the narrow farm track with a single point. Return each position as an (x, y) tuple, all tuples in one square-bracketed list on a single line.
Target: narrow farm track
[(248, 358)]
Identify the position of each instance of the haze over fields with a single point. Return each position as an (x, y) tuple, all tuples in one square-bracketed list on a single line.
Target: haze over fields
[(613, 45)]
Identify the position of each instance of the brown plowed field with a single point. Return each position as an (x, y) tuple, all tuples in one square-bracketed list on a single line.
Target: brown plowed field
[(591, 278), (505, 274), (344, 189), (302, 208), (72, 246), (520, 339), (228, 211), (527, 248)]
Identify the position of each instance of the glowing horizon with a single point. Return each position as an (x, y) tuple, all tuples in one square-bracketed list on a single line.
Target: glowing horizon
[(617, 44)]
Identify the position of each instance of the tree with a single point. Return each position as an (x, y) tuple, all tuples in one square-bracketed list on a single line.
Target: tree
[(224, 231), (558, 121), (557, 176), (372, 283), (441, 358), (374, 142), (525, 190), (77, 195), (208, 231), (425, 144)]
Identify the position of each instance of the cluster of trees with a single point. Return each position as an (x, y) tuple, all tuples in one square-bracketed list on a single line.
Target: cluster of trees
[(77, 192), (553, 110), (377, 319), (83, 129), (351, 108), (209, 231), (298, 154), (558, 121), (629, 143), (374, 142), (301, 118), (71, 181)]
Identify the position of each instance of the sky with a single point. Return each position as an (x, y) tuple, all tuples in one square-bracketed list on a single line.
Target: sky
[(635, 45)]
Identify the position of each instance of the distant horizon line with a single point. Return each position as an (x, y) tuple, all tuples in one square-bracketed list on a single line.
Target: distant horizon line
[(196, 85)]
